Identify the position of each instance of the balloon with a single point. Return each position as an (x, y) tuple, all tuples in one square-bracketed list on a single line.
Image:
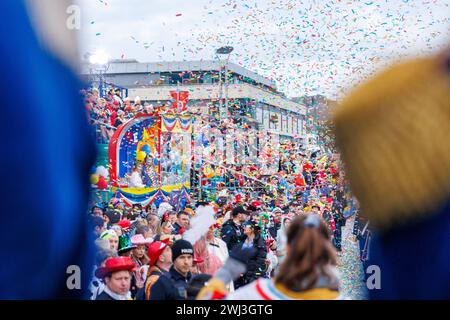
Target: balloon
[(102, 184), (102, 171), (140, 156), (94, 178)]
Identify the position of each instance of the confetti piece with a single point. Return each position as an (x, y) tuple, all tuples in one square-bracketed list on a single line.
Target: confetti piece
[(325, 48)]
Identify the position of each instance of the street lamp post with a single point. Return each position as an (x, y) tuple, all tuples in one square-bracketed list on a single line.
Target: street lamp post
[(223, 110), (99, 65), (224, 51)]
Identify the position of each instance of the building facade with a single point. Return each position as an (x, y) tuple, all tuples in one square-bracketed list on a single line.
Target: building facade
[(253, 103)]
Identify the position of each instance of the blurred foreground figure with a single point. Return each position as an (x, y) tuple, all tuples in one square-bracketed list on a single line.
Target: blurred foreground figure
[(47, 153), (394, 136), (307, 273)]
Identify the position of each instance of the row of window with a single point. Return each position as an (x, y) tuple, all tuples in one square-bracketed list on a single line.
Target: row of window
[(279, 120), (212, 77)]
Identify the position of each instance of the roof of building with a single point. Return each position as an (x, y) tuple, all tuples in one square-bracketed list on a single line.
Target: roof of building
[(133, 66)]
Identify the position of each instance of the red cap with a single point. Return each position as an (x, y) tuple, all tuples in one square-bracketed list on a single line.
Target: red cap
[(256, 204), (155, 249), (214, 226), (115, 264), (124, 224)]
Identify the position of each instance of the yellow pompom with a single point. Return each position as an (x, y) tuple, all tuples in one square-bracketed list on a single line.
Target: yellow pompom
[(393, 134)]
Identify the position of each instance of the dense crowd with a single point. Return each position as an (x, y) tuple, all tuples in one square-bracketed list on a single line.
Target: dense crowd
[(166, 266), (109, 112), (148, 246)]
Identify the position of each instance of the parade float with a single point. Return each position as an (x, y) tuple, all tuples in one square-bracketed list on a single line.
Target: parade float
[(150, 156)]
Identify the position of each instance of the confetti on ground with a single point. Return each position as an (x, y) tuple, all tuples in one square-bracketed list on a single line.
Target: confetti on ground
[(350, 267)]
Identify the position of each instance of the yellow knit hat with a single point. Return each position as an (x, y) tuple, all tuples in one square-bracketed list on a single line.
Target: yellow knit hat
[(394, 136)]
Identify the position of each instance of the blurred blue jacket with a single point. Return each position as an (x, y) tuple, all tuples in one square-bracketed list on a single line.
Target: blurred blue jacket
[(414, 259), (46, 153)]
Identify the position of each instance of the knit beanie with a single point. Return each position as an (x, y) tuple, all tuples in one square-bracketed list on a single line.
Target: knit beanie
[(181, 247), (393, 133)]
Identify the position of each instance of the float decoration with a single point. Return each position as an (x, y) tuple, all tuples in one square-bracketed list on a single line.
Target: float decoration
[(150, 158)]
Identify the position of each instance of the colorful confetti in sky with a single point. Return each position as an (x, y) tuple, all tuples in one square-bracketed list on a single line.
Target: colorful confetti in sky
[(307, 47)]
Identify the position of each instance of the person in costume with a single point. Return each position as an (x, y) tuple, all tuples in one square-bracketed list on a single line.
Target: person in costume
[(170, 216), (256, 264), (339, 221), (216, 245), (97, 225), (98, 210), (181, 224), (276, 225), (269, 226), (126, 248), (124, 225), (135, 180), (327, 215), (173, 285), (282, 239), (150, 170), (153, 221), (393, 133), (314, 208), (210, 261), (116, 274), (140, 258), (160, 255), (315, 278), (232, 233), (164, 233), (102, 253), (112, 238), (112, 217)]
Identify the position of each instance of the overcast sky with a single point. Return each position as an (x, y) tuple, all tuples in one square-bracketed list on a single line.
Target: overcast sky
[(307, 47)]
